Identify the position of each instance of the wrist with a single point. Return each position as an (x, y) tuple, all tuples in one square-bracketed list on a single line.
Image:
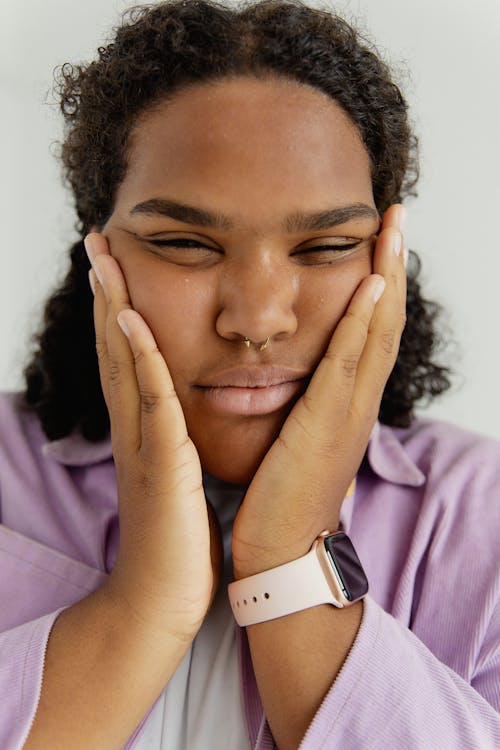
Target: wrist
[(330, 572), (258, 560), (150, 621), (244, 567)]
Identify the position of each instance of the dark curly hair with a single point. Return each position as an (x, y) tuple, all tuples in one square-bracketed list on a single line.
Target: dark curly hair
[(157, 51)]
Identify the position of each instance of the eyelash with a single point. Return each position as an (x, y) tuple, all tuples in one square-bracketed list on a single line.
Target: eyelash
[(193, 244)]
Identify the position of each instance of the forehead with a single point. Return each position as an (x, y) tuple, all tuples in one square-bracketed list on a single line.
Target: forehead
[(246, 137)]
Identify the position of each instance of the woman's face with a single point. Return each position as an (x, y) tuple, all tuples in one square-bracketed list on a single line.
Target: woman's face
[(259, 163)]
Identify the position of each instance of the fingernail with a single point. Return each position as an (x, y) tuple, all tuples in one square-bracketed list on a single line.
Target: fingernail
[(92, 281), (379, 290), (396, 242), (89, 248), (123, 325)]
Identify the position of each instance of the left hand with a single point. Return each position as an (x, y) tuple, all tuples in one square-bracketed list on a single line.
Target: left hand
[(298, 490)]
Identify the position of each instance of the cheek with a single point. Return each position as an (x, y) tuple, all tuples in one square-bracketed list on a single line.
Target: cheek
[(162, 302), (327, 295), (176, 309)]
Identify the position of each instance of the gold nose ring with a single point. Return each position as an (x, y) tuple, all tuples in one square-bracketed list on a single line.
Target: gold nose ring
[(262, 345)]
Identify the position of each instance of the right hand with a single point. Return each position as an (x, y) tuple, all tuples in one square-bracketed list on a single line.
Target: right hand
[(170, 554)]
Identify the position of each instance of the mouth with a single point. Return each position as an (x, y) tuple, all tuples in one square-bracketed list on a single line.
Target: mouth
[(253, 392)]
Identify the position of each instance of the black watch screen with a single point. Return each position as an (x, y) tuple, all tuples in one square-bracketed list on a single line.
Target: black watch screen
[(346, 565)]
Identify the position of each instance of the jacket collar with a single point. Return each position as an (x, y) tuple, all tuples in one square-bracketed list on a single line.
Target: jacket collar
[(386, 455), (74, 450), (389, 460)]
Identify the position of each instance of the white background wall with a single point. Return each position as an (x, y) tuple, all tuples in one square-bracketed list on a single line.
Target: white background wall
[(448, 56)]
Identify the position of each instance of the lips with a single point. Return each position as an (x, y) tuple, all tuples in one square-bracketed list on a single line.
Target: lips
[(253, 391), (254, 377)]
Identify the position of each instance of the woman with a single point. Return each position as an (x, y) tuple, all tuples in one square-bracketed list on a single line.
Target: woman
[(238, 176)]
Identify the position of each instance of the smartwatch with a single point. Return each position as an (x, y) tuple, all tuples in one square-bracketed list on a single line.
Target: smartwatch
[(330, 573)]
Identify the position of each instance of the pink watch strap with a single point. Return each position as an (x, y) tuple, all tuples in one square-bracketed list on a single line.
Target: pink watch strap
[(288, 588)]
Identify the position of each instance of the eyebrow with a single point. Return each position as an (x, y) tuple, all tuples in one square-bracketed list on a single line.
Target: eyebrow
[(295, 222)]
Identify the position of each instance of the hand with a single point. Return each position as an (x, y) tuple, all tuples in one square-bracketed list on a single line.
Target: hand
[(298, 490), (169, 559)]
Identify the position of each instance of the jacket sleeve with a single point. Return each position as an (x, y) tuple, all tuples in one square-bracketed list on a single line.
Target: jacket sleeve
[(22, 654), (36, 584), (428, 675), (393, 692)]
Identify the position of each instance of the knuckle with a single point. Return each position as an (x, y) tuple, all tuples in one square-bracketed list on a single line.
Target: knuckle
[(387, 340), (282, 441), (100, 347), (368, 414), (349, 366), (359, 317), (328, 447), (331, 356), (148, 483), (308, 404), (151, 486), (143, 479), (142, 355), (149, 401), (302, 428), (114, 373), (183, 443), (138, 357), (349, 313)]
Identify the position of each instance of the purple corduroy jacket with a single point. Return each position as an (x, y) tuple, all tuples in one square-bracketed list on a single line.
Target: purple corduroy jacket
[(424, 670)]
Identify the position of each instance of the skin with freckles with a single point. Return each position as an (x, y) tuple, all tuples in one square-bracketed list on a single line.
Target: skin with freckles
[(255, 151)]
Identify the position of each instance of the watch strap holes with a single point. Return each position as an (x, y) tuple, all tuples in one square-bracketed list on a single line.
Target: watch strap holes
[(245, 602)]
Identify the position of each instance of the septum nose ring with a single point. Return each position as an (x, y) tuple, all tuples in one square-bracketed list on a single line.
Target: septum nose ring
[(262, 345)]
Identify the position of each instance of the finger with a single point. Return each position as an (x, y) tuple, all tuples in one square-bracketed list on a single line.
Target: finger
[(382, 345), (100, 312), (389, 261), (329, 393), (163, 428), (395, 217), (116, 361), (97, 244)]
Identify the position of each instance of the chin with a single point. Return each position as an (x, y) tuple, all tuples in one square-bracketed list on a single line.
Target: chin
[(233, 450), (236, 457), (233, 472)]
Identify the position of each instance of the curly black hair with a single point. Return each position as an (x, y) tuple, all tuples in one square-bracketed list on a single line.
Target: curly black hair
[(158, 50)]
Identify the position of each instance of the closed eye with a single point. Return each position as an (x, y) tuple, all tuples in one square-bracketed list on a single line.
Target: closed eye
[(324, 255), (181, 242), (330, 248), (187, 243), (188, 251), (184, 251)]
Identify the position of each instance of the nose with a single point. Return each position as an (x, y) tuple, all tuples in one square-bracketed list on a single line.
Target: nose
[(257, 300)]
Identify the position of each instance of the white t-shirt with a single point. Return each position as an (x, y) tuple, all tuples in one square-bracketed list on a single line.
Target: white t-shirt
[(201, 707)]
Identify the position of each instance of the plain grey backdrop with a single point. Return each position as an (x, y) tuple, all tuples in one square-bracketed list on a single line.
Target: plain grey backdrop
[(447, 60)]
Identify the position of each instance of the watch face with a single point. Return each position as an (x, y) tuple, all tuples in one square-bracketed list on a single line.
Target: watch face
[(346, 565)]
